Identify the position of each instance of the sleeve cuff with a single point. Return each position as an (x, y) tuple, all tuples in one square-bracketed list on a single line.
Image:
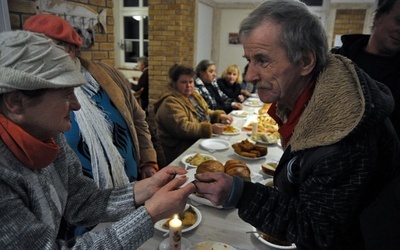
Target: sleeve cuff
[(236, 193)]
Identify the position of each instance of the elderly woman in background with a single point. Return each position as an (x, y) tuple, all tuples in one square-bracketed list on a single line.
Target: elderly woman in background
[(207, 86), (41, 178), (183, 116), (231, 83)]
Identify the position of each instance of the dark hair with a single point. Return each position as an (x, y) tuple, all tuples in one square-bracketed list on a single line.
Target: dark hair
[(177, 70), (302, 31), (384, 7), (34, 93), (203, 66)]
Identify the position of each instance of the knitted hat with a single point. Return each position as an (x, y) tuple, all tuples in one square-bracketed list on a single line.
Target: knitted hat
[(30, 61), (54, 27)]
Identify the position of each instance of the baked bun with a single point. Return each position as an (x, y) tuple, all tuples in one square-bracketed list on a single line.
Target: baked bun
[(269, 168), (238, 168), (210, 166)]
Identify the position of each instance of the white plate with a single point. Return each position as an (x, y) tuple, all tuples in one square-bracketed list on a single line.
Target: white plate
[(249, 158), (253, 98), (211, 245), (203, 201), (160, 224), (239, 113), (183, 160), (255, 103), (164, 245), (258, 236), (215, 144), (237, 131)]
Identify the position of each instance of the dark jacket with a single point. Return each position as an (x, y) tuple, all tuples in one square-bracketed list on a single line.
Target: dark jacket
[(341, 154), (231, 90), (381, 68)]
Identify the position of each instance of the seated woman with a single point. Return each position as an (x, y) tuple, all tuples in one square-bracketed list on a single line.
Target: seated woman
[(183, 116), (231, 83), (206, 85), (41, 178)]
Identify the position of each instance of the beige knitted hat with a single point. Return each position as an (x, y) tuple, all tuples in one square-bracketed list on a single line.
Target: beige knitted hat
[(30, 61)]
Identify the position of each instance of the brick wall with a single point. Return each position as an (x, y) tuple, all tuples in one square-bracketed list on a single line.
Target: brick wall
[(103, 47), (171, 40), (349, 21)]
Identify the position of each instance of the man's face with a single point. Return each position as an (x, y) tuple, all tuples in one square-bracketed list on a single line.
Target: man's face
[(277, 79), (387, 31)]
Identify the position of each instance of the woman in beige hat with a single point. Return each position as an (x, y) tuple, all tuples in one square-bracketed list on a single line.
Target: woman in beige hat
[(41, 178)]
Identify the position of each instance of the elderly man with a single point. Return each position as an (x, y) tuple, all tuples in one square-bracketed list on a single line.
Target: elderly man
[(340, 146)]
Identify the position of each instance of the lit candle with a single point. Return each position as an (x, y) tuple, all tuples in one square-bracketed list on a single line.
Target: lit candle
[(175, 233)]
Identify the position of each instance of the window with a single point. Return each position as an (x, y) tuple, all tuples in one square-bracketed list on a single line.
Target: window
[(131, 32)]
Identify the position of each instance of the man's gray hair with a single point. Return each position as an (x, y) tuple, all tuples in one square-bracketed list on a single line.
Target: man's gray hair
[(302, 31)]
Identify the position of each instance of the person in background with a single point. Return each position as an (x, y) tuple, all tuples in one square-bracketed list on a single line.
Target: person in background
[(340, 147), (230, 83), (207, 86), (182, 115), (143, 82), (41, 177), (109, 134), (248, 88), (378, 54)]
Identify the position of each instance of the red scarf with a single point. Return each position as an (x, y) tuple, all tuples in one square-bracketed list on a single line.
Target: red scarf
[(33, 153), (286, 129)]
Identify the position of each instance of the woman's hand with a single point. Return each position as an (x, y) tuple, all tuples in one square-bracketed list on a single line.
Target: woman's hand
[(147, 171), (240, 98), (146, 188), (226, 119), (169, 199), (237, 105), (218, 128)]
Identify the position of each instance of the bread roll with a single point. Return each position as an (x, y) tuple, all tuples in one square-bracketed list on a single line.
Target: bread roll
[(269, 168), (238, 168), (210, 166)]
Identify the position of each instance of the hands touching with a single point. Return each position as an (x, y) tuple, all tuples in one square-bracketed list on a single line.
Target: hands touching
[(215, 187), (164, 182), (170, 199)]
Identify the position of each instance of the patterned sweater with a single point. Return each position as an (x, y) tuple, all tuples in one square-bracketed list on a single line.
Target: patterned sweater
[(32, 203)]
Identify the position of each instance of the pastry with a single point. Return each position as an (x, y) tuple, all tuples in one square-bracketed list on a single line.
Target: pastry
[(210, 166)]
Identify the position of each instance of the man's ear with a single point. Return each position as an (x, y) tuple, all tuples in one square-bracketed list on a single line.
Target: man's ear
[(13, 101), (308, 63)]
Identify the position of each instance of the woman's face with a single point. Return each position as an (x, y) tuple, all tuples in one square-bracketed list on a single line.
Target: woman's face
[(209, 75), (51, 115), (232, 76), (185, 85)]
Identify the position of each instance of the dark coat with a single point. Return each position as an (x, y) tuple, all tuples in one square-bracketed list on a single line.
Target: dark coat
[(342, 153)]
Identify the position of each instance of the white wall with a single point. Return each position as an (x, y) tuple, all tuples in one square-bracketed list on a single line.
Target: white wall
[(230, 53), (204, 32)]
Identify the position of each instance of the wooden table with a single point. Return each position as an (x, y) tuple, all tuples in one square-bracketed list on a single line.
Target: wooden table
[(219, 224)]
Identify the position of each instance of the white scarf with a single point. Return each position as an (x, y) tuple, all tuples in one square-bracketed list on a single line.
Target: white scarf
[(96, 132)]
